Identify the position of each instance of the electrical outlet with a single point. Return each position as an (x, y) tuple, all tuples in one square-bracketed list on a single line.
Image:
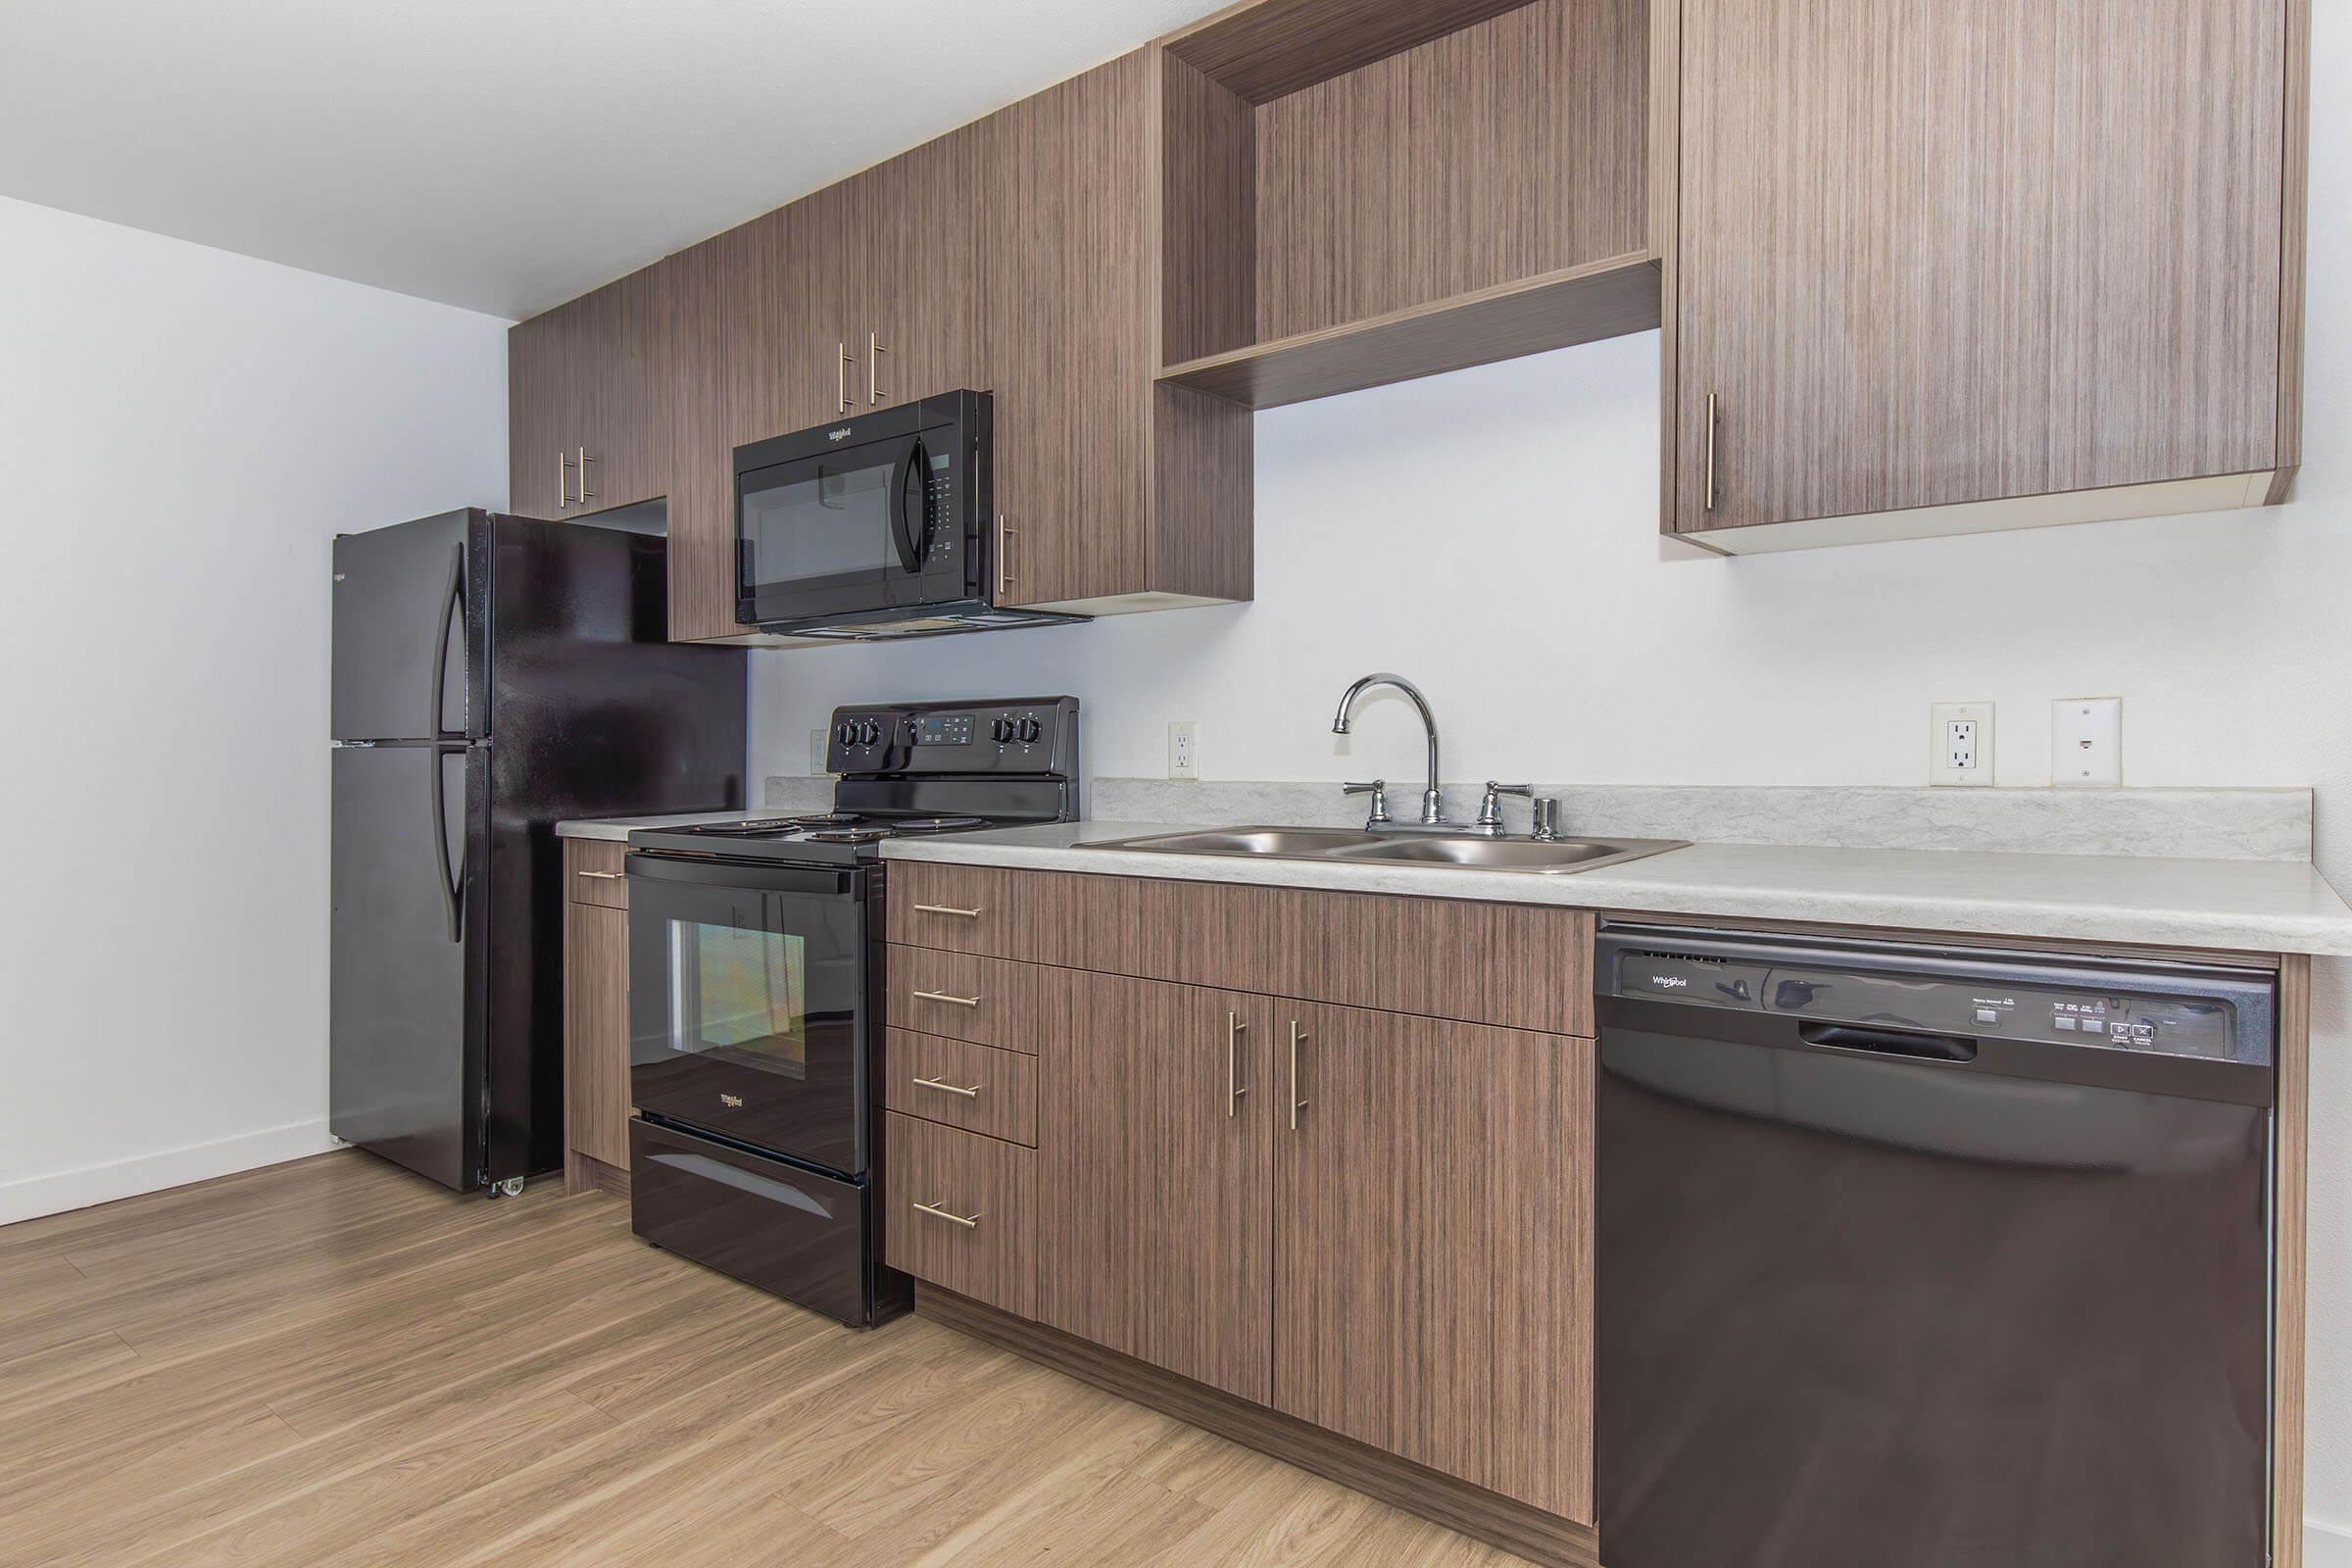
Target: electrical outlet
[(2086, 741), (816, 752), (1184, 750), (1960, 744)]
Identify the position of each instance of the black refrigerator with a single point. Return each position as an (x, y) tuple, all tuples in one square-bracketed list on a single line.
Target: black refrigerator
[(493, 675)]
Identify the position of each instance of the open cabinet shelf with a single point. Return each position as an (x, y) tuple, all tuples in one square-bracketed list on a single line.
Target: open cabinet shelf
[(1363, 192)]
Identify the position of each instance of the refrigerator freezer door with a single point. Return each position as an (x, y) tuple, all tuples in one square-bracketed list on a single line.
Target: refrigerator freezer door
[(405, 1049), (410, 640)]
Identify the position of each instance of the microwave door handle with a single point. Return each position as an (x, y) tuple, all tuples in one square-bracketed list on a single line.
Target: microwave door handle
[(912, 534)]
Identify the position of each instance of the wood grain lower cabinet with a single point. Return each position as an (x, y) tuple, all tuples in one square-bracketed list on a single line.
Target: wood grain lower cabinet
[(1433, 1246), (980, 1089), (595, 1034), (960, 1210), (1155, 1199)]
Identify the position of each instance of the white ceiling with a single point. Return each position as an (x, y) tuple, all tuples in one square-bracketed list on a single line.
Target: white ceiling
[(501, 154)]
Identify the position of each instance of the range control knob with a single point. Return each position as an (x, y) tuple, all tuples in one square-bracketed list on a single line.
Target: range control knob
[(845, 733), (1001, 730), (870, 733), (1029, 729)]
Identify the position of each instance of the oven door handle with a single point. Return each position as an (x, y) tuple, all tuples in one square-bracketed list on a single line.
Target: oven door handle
[(643, 867), (911, 497)]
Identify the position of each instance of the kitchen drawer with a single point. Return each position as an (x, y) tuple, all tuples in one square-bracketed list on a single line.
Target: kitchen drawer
[(990, 1002), (974, 908), (977, 1087), (592, 872), (961, 1211), (1520, 966)]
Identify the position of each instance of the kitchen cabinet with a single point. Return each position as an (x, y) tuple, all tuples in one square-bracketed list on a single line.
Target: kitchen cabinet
[(1113, 494), (588, 407), (1996, 264), (1433, 1265), (596, 1016), (1366, 1210), (1157, 1170)]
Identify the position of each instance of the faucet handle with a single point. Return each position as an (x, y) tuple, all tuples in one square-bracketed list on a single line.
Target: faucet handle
[(1490, 808), (1378, 789)]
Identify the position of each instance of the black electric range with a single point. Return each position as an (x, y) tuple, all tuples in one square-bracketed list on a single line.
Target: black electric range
[(757, 981)]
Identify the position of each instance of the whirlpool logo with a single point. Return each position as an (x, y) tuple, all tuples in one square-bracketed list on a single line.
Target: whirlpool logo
[(842, 434), (1668, 982), (731, 1101)]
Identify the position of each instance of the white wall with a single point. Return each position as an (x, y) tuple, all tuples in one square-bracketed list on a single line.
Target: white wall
[(181, 432), (1490, 534)]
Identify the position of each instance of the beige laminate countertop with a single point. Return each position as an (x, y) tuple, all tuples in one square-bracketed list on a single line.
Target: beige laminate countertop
[(2240, 906)]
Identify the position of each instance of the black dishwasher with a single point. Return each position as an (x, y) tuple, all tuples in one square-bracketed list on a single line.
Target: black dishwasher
[(1919, 1256)]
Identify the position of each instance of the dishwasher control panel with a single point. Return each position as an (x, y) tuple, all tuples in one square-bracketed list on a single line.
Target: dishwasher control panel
[(2159, 1010)]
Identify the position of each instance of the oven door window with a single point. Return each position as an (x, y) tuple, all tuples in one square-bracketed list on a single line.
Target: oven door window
[(820, 531), (743, 993), (749, 1006)]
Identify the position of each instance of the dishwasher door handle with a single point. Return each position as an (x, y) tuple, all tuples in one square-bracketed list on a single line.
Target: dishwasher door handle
[(1889, 1041)]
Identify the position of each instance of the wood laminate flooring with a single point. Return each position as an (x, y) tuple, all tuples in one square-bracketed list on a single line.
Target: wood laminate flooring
[(332, 1363)]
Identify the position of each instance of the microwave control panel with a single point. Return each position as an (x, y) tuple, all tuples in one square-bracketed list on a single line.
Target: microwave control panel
[(1025, 735)]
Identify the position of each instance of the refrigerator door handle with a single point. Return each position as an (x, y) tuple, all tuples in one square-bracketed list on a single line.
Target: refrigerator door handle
[(452, 602), (449, 877)]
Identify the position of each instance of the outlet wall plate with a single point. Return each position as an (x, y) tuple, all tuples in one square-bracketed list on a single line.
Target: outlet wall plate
[(816, 754), (1960, 744), (2087, 742), (1184, 748)]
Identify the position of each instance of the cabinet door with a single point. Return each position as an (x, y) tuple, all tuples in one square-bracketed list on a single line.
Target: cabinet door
[(1434, 1245), (1156, 1197), (539, 414), (1954, 252), (705, 295), (596, 1032), (911, 227), (589, 377), (1068, 318)]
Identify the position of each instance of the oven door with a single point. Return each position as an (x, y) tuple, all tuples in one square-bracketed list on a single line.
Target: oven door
[(749, 1004), (866, 526)]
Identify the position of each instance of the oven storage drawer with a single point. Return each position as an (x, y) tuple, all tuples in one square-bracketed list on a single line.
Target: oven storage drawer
[(961, 1212), (782, 1227), (978, 1088), (989, 1002)]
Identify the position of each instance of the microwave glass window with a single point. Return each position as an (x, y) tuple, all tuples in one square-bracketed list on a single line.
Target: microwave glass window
[(823, 520), (740, 993)]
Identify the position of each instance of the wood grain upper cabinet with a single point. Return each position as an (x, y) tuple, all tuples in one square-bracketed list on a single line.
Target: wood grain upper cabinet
[(1971, 253), (911, 249), (1113, 494), (1433, 1270), (588, 403), (1155, 1191)]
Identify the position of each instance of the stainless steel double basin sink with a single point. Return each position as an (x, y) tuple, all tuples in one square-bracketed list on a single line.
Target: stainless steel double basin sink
[(1345, 846)]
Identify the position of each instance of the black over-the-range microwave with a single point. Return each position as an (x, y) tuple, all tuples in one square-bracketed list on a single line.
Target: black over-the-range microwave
[(874, 525)]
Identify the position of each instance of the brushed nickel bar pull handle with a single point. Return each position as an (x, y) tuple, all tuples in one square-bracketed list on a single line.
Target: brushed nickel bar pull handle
[(874, 367), (608, 876), (562, 483), (946, 909), (935, 1212), (586, 495), (1234, 1030), (942, 996), (1297, 1104), (1714, 421), (1005, 533), (841, 380), (944, 1088)]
